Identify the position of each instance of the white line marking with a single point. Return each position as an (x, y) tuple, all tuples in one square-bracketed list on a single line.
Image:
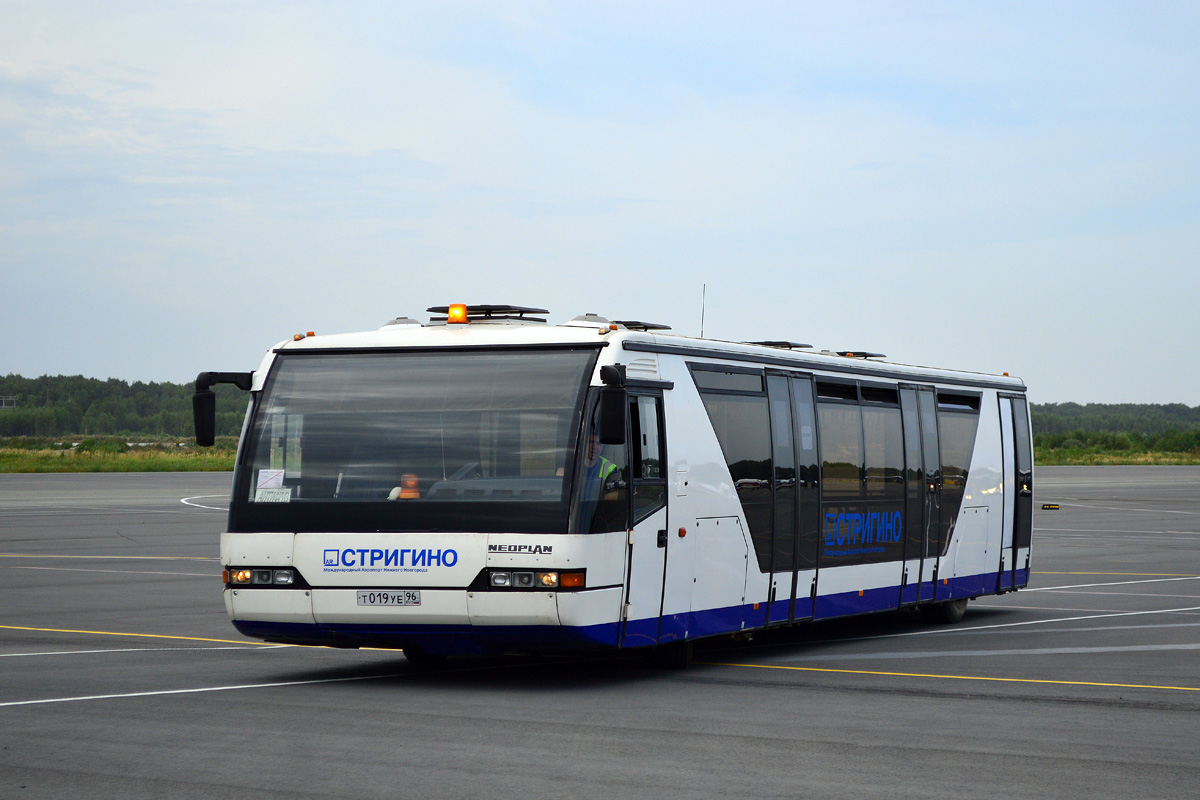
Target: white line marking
[(1125, 508), (187, 502), (1114, 583), (1101, 628), (97, 512), (1141, 594), (119, 558), (1028, 622), (122, 571), (232, 688), (1116, 530), (142, 650), (1033, 651)]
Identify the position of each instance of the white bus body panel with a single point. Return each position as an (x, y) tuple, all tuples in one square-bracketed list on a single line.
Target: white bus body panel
[(703, 582), (270, 605)]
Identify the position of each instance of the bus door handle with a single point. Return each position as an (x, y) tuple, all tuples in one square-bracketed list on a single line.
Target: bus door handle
[(662, 538)]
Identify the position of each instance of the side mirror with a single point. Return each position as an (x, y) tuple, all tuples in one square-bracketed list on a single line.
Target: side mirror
[(612, 374), (204, 412), (611, 422), (204, 402)]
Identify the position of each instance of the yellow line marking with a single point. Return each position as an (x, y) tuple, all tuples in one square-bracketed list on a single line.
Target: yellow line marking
[(186, 638), (121, 558), (141, 635), (1134, 574), (955, 677)]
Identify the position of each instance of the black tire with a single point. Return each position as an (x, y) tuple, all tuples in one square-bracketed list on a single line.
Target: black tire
[(676, 655), (946, 612), (422, 659)]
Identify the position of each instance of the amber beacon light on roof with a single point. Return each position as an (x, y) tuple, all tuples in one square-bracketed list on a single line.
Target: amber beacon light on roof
[(462, 313)]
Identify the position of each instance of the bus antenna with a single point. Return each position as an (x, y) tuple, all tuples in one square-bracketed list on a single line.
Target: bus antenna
[(703, 295)]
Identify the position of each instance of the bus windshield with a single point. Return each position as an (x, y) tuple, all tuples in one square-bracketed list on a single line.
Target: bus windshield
[(432, 440)]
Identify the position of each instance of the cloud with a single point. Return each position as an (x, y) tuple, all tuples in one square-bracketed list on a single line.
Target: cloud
[(954, 185)]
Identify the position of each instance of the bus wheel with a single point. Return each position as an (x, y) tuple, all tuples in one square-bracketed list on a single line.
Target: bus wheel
[(946, 613), (422, 659), (676, 655)]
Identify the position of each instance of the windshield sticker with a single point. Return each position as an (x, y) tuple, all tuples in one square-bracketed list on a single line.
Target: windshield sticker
[(270, 479), (283, 495)]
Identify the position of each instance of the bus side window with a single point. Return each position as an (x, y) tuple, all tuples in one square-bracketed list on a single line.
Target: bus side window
[(649, 477)]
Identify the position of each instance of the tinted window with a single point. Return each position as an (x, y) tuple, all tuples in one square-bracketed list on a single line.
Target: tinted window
[(602, 500), (727, 381), (837, 391), (841, 450), (744, 431), (649, 481), (957, 432), (883, 436), (413, 441)]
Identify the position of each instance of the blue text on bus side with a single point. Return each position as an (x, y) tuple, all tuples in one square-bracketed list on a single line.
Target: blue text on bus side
[(394, 557), (854, 528)]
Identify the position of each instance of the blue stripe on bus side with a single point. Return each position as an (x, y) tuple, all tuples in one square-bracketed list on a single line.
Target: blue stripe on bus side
[(437, 639), (480, 640)]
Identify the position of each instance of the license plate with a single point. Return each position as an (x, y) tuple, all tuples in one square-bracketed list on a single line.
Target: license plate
[(404, 597)]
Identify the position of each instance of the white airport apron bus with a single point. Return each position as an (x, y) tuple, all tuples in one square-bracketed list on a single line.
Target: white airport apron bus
[(488, 482)]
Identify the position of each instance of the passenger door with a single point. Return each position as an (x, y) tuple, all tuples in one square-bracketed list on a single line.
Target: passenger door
[(781, 599), (649, 543), (1022, 530), (796, 498), (915, 528), (808, 489), (931, 457)]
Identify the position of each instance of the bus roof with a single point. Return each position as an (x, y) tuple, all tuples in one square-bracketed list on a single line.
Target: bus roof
[(499, 330)]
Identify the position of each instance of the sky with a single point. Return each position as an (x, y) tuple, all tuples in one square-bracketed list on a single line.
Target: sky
[(997, 187)]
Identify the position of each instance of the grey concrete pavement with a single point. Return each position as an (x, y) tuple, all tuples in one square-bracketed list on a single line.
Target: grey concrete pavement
[(121, 676)]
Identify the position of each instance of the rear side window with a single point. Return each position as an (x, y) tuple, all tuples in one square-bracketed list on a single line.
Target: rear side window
[(737, 406)]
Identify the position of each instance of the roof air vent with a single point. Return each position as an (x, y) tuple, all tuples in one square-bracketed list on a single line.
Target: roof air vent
[(403, 321), (783, 345), (636, 325)]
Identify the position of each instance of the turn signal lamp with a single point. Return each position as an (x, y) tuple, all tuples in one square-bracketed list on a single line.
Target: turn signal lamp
[(456, 314), (409, 489), (570, 580)]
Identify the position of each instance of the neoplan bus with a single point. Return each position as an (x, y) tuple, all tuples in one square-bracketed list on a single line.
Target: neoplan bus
[(488, 482)]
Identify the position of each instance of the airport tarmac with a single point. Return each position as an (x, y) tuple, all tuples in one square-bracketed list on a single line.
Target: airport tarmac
[(120, 676)]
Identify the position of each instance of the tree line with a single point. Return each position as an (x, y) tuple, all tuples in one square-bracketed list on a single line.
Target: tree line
[(1133, 418), (63, 405)]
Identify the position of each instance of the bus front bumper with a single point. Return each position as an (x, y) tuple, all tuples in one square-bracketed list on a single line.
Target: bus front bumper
[(447, 622)]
